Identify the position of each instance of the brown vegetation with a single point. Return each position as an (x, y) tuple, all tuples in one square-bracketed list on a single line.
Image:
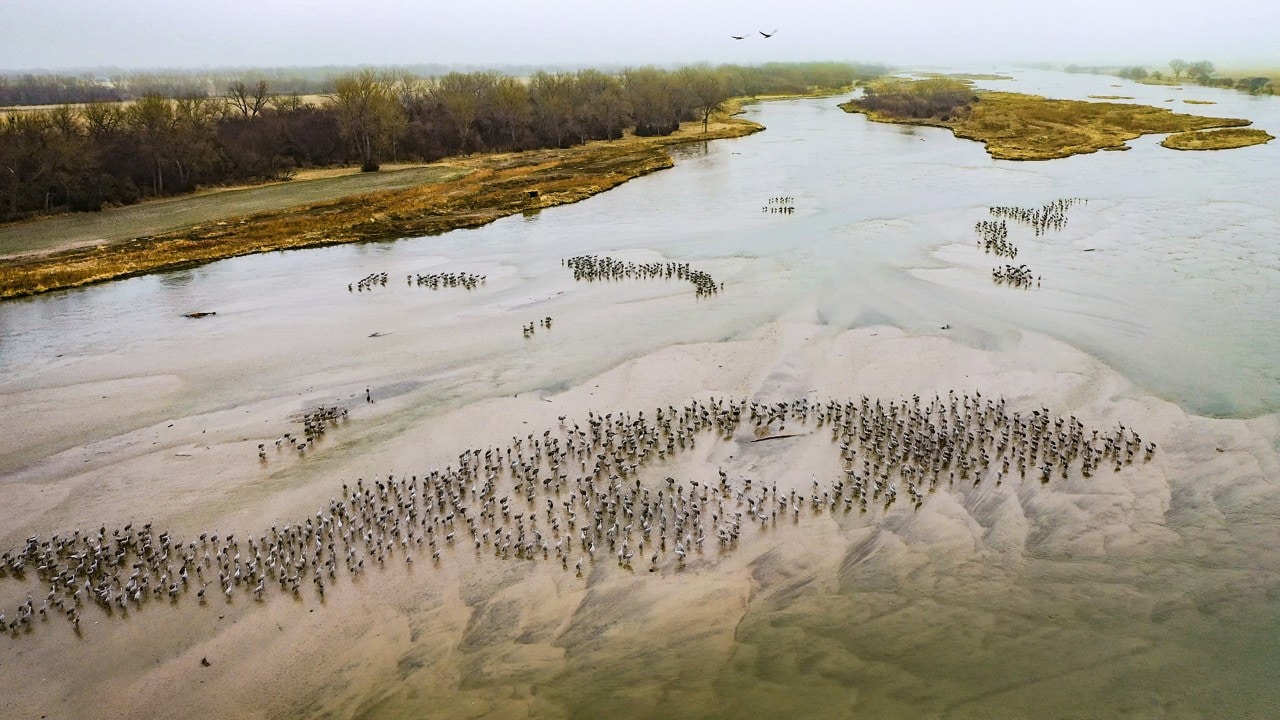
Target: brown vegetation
[(936, 98), (1014, 126), (1217, 139)]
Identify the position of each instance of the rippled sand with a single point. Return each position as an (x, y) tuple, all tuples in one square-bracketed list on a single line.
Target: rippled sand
[(1146, 593)]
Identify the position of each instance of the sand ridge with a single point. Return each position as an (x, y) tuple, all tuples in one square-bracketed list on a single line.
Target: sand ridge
[(481, 637)]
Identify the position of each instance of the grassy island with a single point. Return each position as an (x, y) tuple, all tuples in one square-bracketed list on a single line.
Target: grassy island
[(1217, 139), (1014, 126), (487, 188)]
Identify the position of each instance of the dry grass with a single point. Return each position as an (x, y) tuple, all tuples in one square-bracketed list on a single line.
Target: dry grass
[(316, 100), (496, 186), (23, 109), (1271, 74), (1217, 139), (1200, 102), (1014, 126), (1111, 97)]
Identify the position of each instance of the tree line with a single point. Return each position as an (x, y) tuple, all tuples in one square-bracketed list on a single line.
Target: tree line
[(1201, 72), (26, 89), (102, 153)]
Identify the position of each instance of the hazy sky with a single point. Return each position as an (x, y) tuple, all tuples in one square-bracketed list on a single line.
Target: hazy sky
[(61, 34)]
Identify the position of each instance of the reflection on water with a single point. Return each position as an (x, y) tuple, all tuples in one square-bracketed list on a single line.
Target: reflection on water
[(690, 150), (177, 278), (1170, 275)]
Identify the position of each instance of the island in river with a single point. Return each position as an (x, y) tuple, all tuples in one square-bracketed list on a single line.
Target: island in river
[(1217, 139), (1016, 126)]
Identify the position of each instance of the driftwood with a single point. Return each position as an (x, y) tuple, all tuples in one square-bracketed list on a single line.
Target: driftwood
[(779, 437)]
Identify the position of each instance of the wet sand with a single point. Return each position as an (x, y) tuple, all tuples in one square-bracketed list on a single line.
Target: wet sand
[(985, 602)]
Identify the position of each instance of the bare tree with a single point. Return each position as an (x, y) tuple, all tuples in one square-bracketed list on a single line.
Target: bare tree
[(368, 114), (409, 89), (461, 94), (194, 148), (1201, 70), (508, 103), (103, 119), (705, 92), (23, 160), (151, 119), (652, 98), (601, 105), (552, 97), (288, 103), (1178, 67), (249, 101)]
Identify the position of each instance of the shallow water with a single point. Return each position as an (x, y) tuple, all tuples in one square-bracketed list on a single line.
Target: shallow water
[(1180, 292), (1179, 295)]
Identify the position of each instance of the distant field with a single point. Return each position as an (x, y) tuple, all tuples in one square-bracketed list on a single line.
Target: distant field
[(158, 216), (18, 109), (1273, 73), (21, 109)]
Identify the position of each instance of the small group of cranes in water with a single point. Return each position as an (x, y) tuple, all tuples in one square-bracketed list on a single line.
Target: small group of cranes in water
[(994, 236)]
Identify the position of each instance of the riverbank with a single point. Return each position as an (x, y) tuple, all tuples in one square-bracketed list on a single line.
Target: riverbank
[(478, 191), (1014, 126)]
